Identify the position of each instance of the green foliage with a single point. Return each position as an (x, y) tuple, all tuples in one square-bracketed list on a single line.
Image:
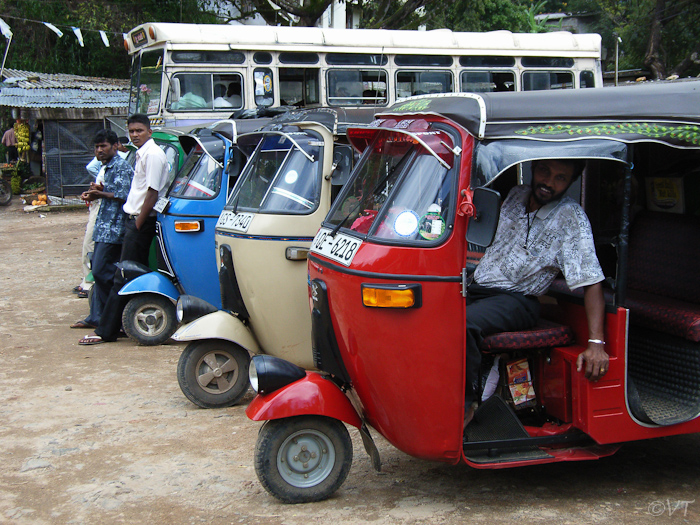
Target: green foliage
[(482, 15), (37, 48)]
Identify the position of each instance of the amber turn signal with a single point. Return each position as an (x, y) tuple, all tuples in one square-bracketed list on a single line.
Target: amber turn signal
[(188, 226), (400, 296)]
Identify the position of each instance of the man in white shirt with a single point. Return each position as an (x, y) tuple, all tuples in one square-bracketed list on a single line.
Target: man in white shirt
[(149, 183), (540, 233)]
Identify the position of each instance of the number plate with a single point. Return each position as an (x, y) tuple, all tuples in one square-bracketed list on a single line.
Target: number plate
[(239, 222), (161, 204), (341, 248)]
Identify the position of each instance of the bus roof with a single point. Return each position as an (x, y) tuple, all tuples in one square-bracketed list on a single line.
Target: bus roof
[(439, 41), (667, 112)]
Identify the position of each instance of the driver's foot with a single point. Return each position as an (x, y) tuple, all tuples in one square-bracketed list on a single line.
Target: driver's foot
[(469, 414)]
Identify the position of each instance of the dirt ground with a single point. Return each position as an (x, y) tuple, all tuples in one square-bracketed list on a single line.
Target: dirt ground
[(102, 434)]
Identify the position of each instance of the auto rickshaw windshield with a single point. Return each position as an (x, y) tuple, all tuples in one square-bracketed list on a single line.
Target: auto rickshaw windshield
[(403, 190), (281, 176), (199, 178)]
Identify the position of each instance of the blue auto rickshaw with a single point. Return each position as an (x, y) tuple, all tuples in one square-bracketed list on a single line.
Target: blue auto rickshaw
[(187, 216)]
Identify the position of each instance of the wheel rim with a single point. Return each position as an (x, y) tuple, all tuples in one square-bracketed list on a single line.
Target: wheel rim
[(150, 320), (306, 458), (217, 372)]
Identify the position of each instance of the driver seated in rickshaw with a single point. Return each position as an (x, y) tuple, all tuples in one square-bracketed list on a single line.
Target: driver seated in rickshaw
[(540, 233)]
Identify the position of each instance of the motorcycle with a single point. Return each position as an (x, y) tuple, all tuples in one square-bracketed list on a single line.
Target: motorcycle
[(297, 164), (184, 233), (388, 281)]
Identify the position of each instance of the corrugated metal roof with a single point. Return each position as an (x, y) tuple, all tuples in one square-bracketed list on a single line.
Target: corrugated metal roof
[(26, 89)]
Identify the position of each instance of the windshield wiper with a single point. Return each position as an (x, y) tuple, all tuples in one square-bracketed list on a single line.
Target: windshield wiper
[(391, 171), (341, 223)]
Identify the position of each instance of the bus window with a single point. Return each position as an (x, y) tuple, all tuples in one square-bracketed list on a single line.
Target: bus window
[(486, 61), (262, 57), (227, 92), (264, 94), (423, 60), (355, 59), (541, 80), (410, 83), (487, 81), (547, 62), (191, 91), (148, 92), (587, 79), (218, 57), (298, 86), (348, 87)]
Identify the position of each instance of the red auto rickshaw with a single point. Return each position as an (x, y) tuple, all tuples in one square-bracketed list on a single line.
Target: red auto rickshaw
[(388, 274)]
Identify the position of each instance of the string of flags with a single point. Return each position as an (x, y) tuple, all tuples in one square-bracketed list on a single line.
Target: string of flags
[(7, 31)]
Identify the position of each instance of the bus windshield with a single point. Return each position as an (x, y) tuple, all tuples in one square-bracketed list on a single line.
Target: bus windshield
[(146, 82)]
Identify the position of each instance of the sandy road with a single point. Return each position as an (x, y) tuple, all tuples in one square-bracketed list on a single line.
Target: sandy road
[(103, 434)]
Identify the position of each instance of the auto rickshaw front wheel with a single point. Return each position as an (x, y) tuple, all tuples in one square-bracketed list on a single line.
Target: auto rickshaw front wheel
[(149, 319), (304, 458), (213, 373)]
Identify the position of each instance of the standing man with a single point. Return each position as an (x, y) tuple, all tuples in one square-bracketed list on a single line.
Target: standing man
[(149, 183), (107, 195), (540, 233)]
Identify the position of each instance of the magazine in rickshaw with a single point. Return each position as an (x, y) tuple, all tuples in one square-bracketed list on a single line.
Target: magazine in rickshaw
[(391, 275)]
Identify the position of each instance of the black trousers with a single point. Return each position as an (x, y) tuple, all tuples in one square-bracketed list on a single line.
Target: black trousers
[(104, 258), (136, 246), (489, 311)]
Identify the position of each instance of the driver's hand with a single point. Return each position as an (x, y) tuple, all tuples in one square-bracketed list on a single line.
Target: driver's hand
[(596, 362)]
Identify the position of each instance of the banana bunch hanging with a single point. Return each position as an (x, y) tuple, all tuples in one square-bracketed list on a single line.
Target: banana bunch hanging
[(22, 136)]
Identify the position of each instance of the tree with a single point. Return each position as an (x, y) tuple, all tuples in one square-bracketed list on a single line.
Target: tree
[(488, 15), (39, 49), (374, 14), (661, 35)]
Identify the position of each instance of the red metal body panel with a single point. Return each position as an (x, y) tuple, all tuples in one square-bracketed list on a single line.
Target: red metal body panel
[(312, 395)]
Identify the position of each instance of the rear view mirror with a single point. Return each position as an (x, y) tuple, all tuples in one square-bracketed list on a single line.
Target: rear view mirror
[(482, 227), (342, 164), (175, 90)]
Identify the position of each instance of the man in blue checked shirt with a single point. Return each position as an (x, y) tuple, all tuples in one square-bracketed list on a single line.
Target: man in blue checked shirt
[(110, 226)]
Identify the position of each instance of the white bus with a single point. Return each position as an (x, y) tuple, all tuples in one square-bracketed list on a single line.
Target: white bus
[(188, 74)]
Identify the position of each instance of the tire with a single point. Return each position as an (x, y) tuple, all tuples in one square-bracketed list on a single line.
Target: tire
[(303, 459), (213, 373), (5, 193), (149, 319)]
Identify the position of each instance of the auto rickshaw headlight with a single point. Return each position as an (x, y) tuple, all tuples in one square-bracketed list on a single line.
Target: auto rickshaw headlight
[(391, 296), (268, 373), (189, 308)]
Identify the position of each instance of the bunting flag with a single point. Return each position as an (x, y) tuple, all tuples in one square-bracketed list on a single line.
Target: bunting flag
[(54, 29), (78, 35), (5, 29), (104, 38)]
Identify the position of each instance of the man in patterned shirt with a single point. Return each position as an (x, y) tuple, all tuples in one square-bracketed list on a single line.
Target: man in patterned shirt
[(540, 233), (109, 229)]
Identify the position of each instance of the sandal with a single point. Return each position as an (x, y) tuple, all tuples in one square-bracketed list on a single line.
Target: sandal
[(82, 324), (82, 294), (77, 289), (91, 339)]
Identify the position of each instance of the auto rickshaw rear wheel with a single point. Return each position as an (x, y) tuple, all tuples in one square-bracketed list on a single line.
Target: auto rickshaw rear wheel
[(213, 373), (302, 459), (149, 319)]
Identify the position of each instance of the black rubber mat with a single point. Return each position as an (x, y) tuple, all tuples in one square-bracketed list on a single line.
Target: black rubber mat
[(665, 374), (495, 420)]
